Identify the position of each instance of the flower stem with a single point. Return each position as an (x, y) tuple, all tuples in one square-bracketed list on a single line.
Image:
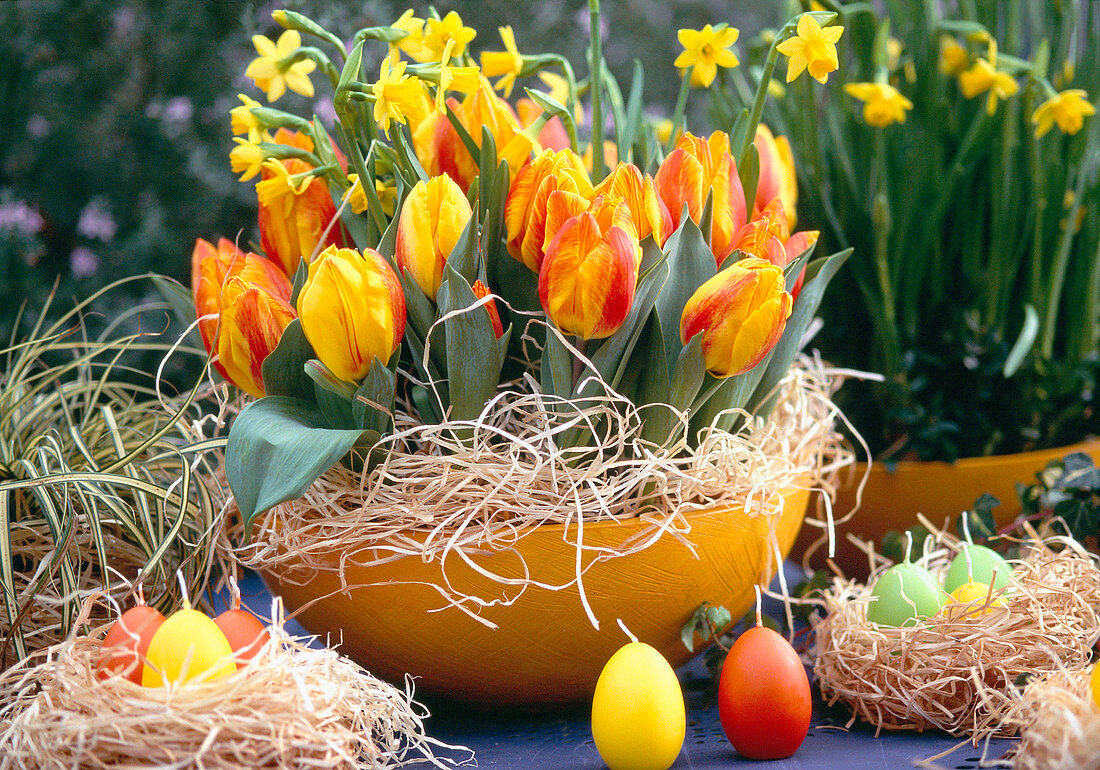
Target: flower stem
[(758, 103), (596, 78)]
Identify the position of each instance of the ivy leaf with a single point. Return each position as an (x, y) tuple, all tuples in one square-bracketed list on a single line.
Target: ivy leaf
[(708, 621), (978, 523)]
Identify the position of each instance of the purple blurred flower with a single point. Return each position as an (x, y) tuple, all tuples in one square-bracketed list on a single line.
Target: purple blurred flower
[(17, 215), (96, 222), (83, 262), (123, 21), (178, 109), (37, 126), (323, 109)]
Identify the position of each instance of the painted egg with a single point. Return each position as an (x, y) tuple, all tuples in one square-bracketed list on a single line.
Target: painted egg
[(977, 563), (764, 696), (187, 645), (638, 714), (973, 591), (902, 594), (127, 642), (245, 633), (1096, 684)]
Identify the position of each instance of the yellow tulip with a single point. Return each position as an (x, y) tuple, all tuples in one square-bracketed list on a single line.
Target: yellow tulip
[(433, 217), (352, 310), (589, 273), (741, 313), (242, 302)]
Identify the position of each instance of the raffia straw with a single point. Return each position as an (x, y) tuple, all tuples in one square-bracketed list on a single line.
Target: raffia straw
[(953, 672), (292, 707), (449, 491), (1059, 724)]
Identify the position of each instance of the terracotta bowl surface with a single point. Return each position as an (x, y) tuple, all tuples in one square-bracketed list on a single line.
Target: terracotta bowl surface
[(941, 491), (544, 649)]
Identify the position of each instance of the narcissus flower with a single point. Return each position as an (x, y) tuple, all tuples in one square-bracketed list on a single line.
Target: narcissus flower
[(242, 121), (590, 271), (265, 69), (953, 57), (741, 313), (647, 210), (398, 96), (525, 211), (242, 302), (984, 76), (883, 105), (777, 177), (352, 311), (506, 64), (433, 217), (412, 43), (439, 32), (481, 291), (357, 196), (294, 216), (1068, 109), (246, 158), (811, 48), (705, 50), (465, 80)]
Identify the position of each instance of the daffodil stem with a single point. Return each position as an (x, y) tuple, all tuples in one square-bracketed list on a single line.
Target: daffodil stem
[(758, 103), (1057, 277), (678, 113), (596, 79), (314, 54)]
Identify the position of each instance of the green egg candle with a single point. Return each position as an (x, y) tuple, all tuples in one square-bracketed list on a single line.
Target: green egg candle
[(976, 563), (902, 594)]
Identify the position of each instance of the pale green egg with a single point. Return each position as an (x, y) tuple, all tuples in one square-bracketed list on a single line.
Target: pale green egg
[(902, 594), (976, 563)]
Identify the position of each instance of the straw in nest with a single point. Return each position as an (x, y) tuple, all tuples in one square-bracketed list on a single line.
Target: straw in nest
[(291, 707), (954, 672), (437, 494), (1059, 724)]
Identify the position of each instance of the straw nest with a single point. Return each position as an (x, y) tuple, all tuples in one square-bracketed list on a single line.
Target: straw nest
[(954, 672), (459, 488), (1059, 724), (291, 707)]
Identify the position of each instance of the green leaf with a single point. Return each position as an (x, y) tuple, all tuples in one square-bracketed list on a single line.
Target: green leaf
[(464, 256), (818, 274), (283, 370), (1024, 342), (556, 370), (473, 365), (707, 621), (749, 172), (333, 395), (373, 405), (690, 264), (278, 446)]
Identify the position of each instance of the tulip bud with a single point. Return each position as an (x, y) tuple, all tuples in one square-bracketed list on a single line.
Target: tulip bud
[(433, 217), (589, 273), (648, 211), (294, 217), (777, 175), (481, 291), (239, 349), (352, 310), (525, 211), (741, 313), (698, 168)]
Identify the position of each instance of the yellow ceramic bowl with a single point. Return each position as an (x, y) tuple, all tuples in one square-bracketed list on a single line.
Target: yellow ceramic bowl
[(544, 649), (941, 491)]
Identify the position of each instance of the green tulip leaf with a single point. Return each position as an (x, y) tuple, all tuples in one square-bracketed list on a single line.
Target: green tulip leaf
[(749, 172), (333, 395), (278, 446), (464, 256), (690, 265), (373, 404), (471, 348), (284, 369), (556, 369)]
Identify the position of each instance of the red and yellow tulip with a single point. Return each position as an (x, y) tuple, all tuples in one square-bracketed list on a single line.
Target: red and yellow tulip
[(242, 301), (352, 310), (777, 176), (526, 210), (432, 219), (650, 215), (589, 273), (741, 313), (697, 168), (481, 291)]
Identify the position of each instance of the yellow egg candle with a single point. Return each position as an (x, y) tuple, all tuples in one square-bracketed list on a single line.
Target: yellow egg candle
[(973, 591), (187, 645)]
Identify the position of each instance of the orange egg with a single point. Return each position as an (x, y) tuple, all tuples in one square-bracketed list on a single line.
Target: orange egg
[(246, 634), (127, 642)]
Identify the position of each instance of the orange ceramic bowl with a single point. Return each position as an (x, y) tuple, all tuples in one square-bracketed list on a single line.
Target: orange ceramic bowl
[(544, 649), (941, 491)]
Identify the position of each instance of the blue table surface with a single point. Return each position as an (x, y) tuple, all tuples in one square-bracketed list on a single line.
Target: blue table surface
[(562, 737)]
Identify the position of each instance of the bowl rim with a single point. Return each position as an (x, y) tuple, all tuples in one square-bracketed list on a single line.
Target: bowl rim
[(1090, 445)]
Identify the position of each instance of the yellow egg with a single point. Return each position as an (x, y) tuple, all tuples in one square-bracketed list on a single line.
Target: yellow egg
[(1096, 684), (973, 591), (638, 715), (187, 645)]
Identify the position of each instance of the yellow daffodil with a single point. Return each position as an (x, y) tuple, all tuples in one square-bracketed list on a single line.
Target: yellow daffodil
[(894, 49), (462, 79), (413, 42), (1068, 109), (705, 50), (882, 104), (243, 122), (395, 93), (506, 64), (247, 158), (811, 48), (438, 31), (266, 73), (953, 57), (357, 197), (984, 76)]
